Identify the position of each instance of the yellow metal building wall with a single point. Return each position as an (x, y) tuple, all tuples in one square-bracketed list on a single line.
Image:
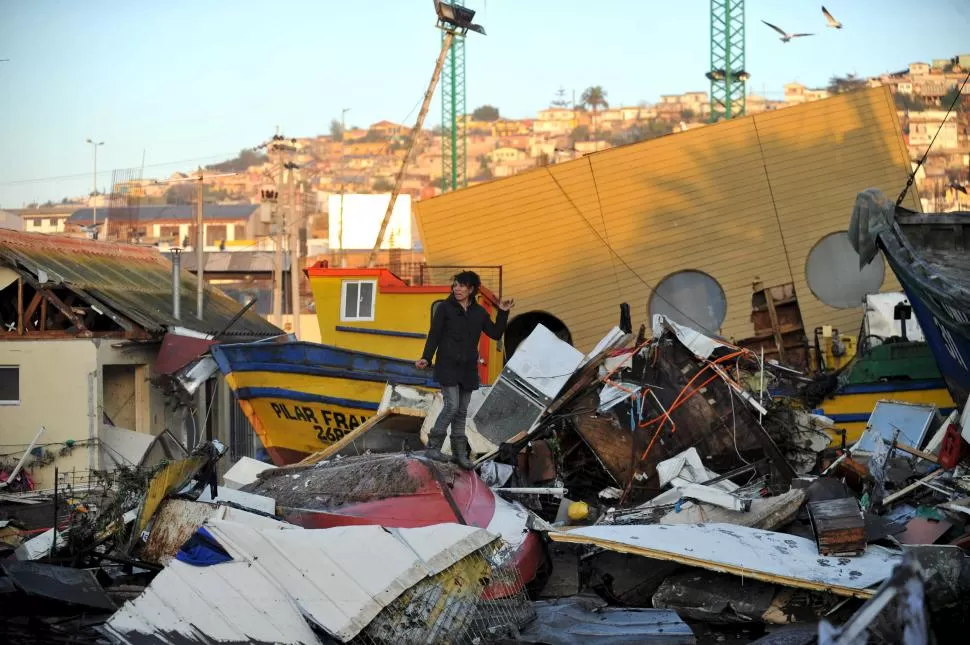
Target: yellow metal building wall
[(743, 200)]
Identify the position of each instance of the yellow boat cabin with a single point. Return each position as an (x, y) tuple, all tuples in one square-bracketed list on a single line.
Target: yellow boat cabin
[(377, 312)]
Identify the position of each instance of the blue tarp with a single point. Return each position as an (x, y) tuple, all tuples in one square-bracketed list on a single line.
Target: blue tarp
[(202, 550)]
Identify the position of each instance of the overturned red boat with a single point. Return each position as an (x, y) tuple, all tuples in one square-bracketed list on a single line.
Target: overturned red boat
[(404, 491)]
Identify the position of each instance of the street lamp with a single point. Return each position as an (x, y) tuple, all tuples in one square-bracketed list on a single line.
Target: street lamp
[(453, 17), (95, 145)]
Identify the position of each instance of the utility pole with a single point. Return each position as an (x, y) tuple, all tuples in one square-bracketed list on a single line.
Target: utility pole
[(296, 267), (199, 246), (343, 179), (278, 221), (94, 224), (277, 146), (453, 20)]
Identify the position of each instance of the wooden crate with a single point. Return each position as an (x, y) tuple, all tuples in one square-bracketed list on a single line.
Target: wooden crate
[(839, 526)]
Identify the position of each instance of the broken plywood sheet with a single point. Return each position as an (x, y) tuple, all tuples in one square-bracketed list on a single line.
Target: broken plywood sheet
[(754, 553), (612, 445)]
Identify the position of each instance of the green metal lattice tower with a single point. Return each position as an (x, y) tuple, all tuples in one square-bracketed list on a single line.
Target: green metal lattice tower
[(727, 73), (454, 135)]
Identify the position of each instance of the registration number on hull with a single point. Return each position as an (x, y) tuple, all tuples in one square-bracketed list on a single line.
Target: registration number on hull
[(329, 424)]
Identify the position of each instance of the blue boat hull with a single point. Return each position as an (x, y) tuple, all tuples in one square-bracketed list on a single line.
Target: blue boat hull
[(944, 330), (930, 255)]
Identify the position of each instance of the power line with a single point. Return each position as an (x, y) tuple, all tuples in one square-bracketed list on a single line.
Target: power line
[(919, 164), (82, 175), (617, 255)]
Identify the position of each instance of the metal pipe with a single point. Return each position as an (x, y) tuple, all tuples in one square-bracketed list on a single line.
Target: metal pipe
[(558, 492), (176, 284), (199, 248), (20, 464)]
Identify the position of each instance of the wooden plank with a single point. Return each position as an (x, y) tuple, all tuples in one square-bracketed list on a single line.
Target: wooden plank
[(67, 311), (20, 306), (31, 308), (349, 439), (776, 330)]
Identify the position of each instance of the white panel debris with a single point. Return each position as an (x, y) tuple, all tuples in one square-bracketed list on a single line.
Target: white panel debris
[(544, 361), (244, 472), (699, 344), (763, 555), (259, 503), (280, 582)]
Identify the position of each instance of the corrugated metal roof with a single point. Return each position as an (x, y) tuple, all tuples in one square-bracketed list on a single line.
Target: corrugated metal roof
[(742, 200), (279, 581), (180, 212), (134, 282), (236, 261)]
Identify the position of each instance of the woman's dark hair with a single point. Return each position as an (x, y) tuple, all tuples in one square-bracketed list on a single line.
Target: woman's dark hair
[(469, 279)]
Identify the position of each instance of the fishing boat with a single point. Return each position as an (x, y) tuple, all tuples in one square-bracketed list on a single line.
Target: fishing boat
[(930, 255), (302, 397), (891, 361)]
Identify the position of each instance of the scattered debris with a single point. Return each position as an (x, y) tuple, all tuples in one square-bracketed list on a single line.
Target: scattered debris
[(680, 478)]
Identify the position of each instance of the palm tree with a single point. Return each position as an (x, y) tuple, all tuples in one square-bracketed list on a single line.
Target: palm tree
[(594, 98)]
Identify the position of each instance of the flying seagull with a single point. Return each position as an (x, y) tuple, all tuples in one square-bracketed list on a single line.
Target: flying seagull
[(785, 36), (829, 18)]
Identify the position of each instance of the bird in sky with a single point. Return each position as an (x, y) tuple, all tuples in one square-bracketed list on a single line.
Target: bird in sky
[(829, 18), (785, 36)]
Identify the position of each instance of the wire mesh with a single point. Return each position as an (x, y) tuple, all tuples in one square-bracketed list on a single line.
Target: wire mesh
[(478, 599), (123, 206)]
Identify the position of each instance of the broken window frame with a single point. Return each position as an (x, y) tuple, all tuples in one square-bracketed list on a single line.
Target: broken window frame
[(3, 394), (344, 291)]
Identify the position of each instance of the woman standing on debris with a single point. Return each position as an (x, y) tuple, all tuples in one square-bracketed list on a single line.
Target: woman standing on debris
[(456, 328)]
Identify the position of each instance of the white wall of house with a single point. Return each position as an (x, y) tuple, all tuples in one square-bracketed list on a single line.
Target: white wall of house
[(65, 385), (10, 220)]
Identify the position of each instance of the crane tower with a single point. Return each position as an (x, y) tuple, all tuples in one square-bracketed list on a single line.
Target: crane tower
[(727, 73), (454, 139)]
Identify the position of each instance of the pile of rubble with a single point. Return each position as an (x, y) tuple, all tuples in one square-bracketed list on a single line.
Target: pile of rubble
[(670, 489)]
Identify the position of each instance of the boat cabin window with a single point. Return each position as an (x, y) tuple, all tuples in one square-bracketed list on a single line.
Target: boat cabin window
[(357, 300)]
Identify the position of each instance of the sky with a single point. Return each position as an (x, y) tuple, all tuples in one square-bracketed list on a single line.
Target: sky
[(178, 83)]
